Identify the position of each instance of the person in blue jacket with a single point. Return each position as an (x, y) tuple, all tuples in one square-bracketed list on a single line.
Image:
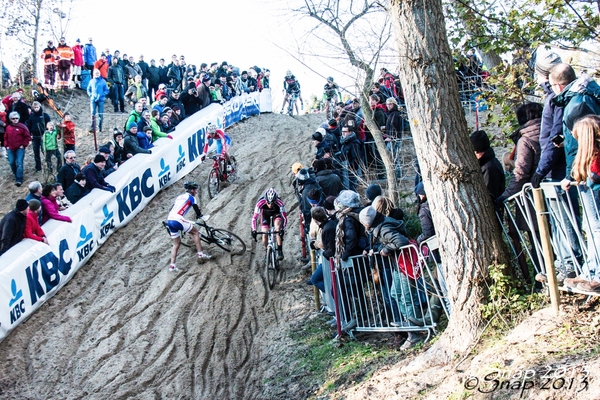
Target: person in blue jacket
[(97, 90)]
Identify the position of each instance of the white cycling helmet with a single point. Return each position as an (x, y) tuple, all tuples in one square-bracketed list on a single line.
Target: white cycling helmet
[(211, 128), (271, 195), (288, 73)]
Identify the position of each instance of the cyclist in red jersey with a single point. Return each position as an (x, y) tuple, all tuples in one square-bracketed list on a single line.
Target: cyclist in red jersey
[(267, 207), (223, 142)]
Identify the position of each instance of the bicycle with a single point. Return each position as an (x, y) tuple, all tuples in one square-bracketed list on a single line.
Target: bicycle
[(271, 261), (293, 98), (227, 240), (221, 173), (330, 108)]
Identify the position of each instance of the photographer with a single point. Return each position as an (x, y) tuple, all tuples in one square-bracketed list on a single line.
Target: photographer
[(191, 101)]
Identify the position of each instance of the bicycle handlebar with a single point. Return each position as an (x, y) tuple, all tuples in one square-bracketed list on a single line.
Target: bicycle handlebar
[(268, 233)]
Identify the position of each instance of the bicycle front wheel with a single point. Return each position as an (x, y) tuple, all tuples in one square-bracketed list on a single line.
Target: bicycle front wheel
[(229, 241), (270, 270), (213, 183)]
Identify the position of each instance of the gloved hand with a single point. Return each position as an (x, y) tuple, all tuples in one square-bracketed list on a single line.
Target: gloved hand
[(535, 180), (254, 235), (111, 188), (202, 157), (170, 137), (281, 233), (499, 202), (312, 245)]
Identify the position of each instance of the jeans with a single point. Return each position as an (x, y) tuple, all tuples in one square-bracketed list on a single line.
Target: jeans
[(118, 100), (55, 153), (591, 226), (15, 159), (317, 278), (36, 143), (97, 107), (568, 251), (386, 286)]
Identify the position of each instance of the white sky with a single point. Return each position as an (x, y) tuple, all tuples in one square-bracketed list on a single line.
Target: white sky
[(240, 32)]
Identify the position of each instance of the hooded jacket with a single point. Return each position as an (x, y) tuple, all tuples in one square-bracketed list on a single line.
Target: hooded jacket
[(12, 227), (527, 156), (552, 161), (583, 90), (390, 232), (36, 123), (493, 173)]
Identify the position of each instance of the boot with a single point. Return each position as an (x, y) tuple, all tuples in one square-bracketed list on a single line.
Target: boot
[(436, 309)]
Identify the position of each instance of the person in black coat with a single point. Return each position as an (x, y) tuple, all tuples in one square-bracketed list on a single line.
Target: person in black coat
[(36, 123), (493, 173), (330, 183), (93, 175), (191, 100), (77, 189), (131, 144), (12, 226), (66, 174), (394, 125)]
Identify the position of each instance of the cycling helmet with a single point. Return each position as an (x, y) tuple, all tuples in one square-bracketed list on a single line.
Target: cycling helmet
[(270, 195), (189, 185), (211, 128), (330, 79), (302, 176), (288, 73)]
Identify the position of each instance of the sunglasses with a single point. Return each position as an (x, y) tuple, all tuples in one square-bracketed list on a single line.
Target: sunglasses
[(14, 119), (71, 158)]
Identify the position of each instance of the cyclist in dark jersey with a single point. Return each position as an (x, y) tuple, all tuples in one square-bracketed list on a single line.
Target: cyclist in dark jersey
[(268, 207), (331, 90), (291, 86)]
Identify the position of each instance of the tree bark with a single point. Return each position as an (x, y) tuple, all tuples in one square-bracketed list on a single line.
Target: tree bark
[(461, 206)]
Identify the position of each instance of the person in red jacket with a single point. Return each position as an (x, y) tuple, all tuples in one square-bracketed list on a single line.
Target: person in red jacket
[(33, 230), (50, 208), (16, 140), (77, 63)]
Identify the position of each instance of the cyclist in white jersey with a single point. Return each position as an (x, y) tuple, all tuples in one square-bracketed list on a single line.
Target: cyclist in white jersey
[(177, 223)]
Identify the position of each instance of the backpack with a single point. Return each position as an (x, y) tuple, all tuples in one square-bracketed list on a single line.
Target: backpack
[(408, 261)]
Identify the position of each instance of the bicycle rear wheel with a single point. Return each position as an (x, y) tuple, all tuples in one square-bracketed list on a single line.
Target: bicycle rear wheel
[(270, 270), (213, 183), (229, 241)]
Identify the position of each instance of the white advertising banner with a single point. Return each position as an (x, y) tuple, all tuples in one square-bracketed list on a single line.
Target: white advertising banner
[(32, 272)]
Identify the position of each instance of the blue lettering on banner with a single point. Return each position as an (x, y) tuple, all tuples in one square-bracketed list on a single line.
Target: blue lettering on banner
[(180, 159), (49, 265), (195, 144), (108, 223), (19, 308), (164, 176), (17, 294), (134, 192), (85, 245)]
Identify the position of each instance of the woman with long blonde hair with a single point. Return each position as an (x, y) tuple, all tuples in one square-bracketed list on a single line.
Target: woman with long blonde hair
[(587, 161), (586, 169)]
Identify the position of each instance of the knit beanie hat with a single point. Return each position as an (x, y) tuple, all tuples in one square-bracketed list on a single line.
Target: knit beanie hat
[(104, 150), (420, 189), (367, 216), (317, 136), (543, 64), (131, 125), (99, 158), (348, 198), (373, 191), (480, 141), (34, 204), (22, 205), (314, 197)]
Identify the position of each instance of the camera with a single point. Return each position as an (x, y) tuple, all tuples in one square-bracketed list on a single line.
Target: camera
[(558, 139)]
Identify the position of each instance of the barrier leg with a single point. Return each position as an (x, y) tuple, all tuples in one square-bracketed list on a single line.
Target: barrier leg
[(540, 208), (335, 298), (313, 265)]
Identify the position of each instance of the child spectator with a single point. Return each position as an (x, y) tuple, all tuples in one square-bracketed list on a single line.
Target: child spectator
[(77, 189), (32, 225), (50, 146), (145, 138), (68, 132)]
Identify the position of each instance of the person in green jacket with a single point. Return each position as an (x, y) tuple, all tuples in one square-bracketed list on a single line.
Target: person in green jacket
[(154, 124), (50, 145)]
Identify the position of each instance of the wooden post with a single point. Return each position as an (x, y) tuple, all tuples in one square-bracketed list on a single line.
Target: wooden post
[(540, 208), (313, 265)]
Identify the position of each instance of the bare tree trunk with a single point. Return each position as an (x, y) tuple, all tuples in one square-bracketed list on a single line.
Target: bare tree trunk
[(461, 206)]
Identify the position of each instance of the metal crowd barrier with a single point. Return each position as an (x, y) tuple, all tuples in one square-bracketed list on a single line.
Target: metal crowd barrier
[(364, 303), (575, 229)]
